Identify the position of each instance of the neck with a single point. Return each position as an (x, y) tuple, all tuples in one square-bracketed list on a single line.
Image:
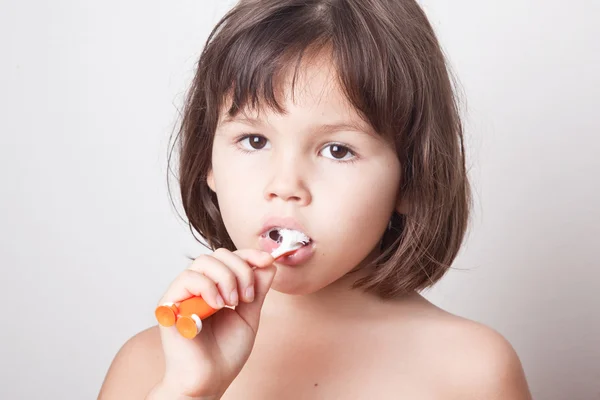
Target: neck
[(336, 301)]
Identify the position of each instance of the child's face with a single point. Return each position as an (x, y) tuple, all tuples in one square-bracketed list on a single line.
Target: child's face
[(343, 196)]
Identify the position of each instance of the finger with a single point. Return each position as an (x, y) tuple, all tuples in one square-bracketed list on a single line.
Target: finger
[(256, 258), (191, 283), (242, 271), (250, 312), (221, 274)]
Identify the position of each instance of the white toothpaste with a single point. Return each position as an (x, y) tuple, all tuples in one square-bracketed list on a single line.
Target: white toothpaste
[(290, 240)]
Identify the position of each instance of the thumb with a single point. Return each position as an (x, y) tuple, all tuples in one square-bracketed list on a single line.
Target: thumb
[(250, 312)]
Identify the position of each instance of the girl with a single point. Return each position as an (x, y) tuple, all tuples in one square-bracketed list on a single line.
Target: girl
[(337, 119)]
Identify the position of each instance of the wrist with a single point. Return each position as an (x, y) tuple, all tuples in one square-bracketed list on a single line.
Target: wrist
[(163, 391)]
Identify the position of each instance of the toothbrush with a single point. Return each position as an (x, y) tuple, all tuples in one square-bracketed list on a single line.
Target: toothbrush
[(190, 313), (291, 240)]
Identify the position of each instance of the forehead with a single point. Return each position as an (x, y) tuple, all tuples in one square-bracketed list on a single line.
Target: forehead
[(311, 89)]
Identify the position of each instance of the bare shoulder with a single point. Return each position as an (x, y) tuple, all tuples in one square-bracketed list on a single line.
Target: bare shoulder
[(470, 359), (137, 367), (483, 363)]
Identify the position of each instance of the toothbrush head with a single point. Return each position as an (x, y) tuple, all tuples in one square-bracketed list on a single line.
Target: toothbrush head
[(290, 240)]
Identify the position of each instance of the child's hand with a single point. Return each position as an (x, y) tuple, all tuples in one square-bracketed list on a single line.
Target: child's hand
[(205, 366)]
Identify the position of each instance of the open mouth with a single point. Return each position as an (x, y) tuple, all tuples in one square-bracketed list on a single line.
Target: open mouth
[(286, 241), (279, 234)]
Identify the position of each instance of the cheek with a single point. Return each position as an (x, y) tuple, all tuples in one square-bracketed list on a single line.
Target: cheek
[(236, 187), (357, 210), (232, 163), (367, 195), (232, 173)]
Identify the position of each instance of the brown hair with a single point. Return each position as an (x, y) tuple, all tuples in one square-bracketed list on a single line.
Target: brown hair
[(393, 71)]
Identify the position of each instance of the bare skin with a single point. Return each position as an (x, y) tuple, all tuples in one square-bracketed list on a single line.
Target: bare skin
[(368, 348)]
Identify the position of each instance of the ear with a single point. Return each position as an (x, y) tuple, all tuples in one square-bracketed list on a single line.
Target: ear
[(210, 180), (402, 205)]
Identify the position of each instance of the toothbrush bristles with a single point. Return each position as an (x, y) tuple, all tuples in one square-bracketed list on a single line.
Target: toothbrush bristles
[(289, 241)]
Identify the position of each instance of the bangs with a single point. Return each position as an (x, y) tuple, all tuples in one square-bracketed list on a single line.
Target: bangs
[(248, 70)]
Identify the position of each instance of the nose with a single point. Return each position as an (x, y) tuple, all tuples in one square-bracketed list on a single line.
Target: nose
[(287, 182)]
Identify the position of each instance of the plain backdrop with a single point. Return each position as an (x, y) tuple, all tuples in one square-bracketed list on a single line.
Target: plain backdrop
[(90, 93)]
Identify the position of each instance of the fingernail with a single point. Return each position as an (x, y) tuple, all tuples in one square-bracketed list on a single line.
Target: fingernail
[(220, 301), (250, 293), (233, 299)]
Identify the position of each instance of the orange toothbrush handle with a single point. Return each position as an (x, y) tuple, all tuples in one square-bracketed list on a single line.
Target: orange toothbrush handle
[(187, 318), (166, 315)]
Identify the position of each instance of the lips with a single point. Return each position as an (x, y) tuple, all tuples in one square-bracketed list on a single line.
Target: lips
[(296, 257), (270, 240), (284, 240)]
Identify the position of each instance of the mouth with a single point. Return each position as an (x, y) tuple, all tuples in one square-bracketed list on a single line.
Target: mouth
[(286, 241), (280, 235)]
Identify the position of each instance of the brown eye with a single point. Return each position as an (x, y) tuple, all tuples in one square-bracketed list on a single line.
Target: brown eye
[(255, 142), (338, 152)]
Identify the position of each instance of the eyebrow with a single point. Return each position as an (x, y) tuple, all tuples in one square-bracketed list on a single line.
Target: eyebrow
[(322, 129)]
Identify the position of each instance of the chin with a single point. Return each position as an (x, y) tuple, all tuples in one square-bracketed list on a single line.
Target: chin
[(292, 285), (300, 283)]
